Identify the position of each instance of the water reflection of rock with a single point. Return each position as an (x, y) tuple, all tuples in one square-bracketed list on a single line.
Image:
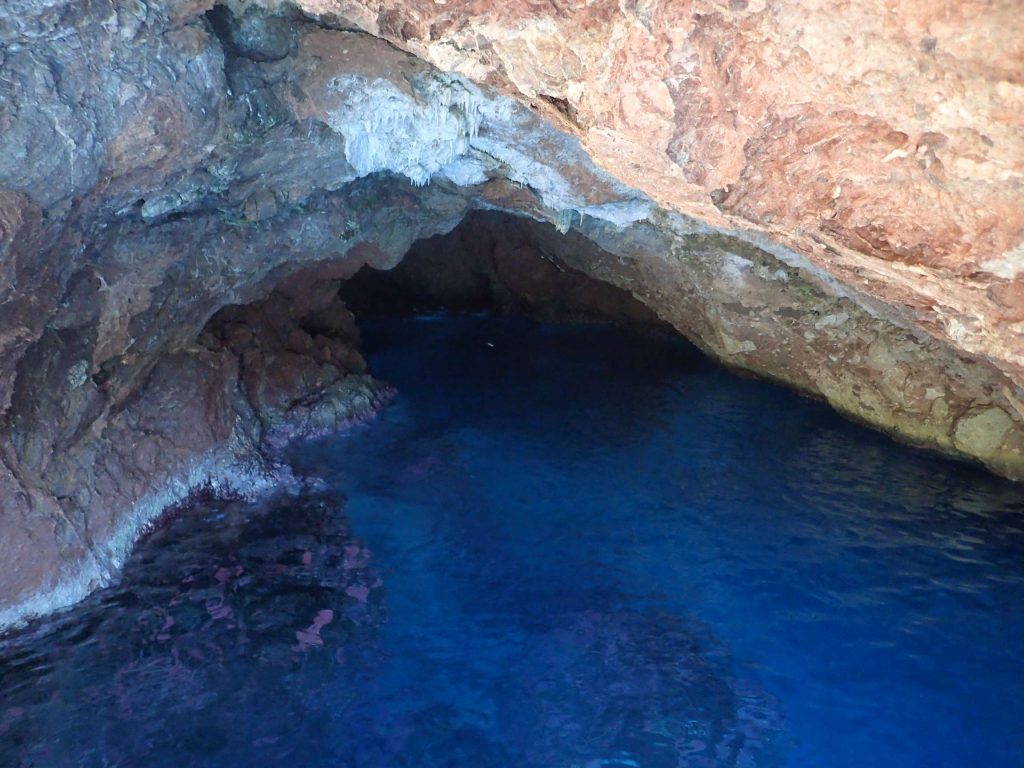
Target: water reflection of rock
[(218, 644)]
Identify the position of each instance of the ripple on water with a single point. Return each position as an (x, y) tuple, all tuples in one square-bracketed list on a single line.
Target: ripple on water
[(589, 548)]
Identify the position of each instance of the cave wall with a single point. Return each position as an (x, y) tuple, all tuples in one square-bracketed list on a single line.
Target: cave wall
[(884, 142), (183, 186)]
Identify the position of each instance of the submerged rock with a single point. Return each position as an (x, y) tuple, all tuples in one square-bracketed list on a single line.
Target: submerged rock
[(253, 633), (222, 638), (637, 688)]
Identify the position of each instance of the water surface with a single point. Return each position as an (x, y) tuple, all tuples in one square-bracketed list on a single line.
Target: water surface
[(558, 547)]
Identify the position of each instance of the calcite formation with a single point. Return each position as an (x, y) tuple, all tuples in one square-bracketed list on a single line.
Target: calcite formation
[(827, 194)]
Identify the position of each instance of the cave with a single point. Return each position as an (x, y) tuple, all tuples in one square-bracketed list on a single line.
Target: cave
[(493, 261), (270, 151), (687, 340), (300, 370)]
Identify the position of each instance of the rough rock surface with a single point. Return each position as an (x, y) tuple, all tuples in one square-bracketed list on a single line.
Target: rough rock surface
[(817, 193), (884, 142)]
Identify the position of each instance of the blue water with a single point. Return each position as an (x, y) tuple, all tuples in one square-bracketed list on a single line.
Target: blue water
[(563, 547)]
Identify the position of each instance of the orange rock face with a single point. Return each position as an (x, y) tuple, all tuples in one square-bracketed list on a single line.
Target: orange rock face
[(884, 141)]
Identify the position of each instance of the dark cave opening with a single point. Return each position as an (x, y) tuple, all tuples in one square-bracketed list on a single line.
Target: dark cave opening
[(301, 372), (494, 261)]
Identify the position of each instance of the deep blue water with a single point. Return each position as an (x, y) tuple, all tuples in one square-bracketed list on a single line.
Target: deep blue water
[(562, 547)]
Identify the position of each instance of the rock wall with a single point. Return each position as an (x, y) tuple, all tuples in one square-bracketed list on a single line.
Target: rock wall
[(882, 141), (182, 186)]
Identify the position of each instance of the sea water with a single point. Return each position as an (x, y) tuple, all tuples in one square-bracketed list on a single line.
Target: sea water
[(561, 547)]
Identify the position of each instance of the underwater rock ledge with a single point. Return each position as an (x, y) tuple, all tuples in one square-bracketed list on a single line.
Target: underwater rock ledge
[(184, 184)]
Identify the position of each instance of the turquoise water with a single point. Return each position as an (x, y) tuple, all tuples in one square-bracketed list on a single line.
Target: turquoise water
[(559, 546)]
